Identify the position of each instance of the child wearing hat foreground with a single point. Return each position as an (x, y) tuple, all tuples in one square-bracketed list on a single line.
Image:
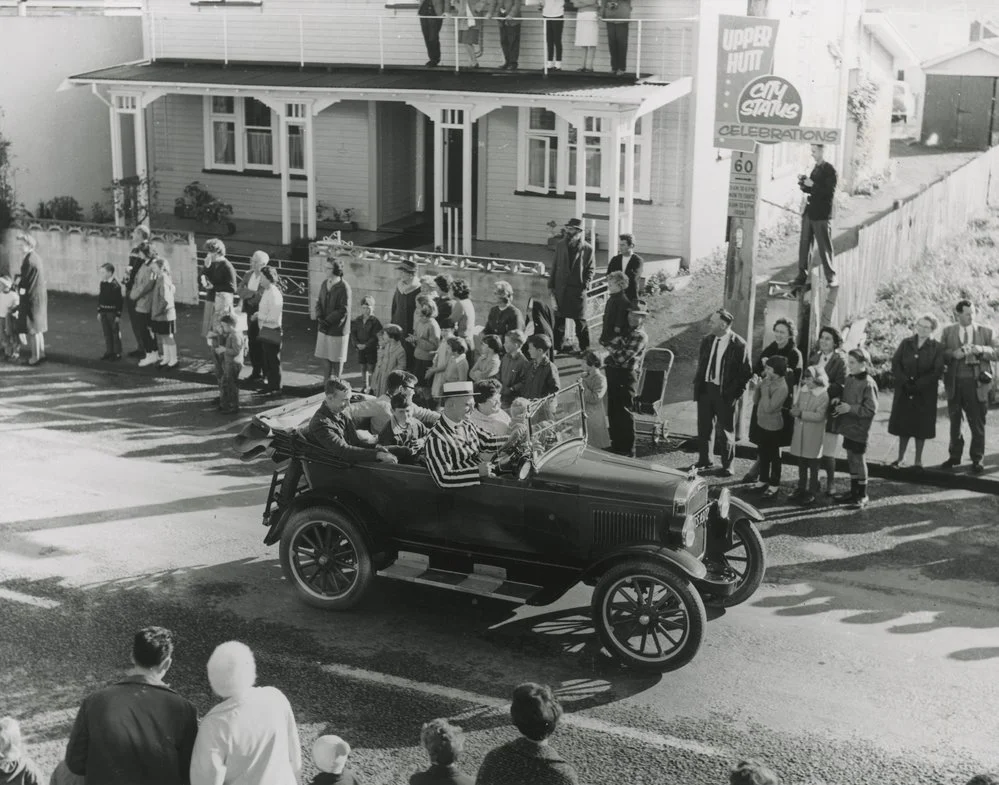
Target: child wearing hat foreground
[(854, 413), (330, 754)]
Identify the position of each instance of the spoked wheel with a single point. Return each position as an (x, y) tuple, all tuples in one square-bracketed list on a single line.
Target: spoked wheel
[(746, 557), (648, 616), (324, 556)]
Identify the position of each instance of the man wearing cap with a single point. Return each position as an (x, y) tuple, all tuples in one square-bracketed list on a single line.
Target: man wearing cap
[(626, 353), (332, 429), (723, 371), (459, 453), (571, 274)]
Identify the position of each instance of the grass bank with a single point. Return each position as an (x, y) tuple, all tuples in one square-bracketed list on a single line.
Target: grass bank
[(966, 266)]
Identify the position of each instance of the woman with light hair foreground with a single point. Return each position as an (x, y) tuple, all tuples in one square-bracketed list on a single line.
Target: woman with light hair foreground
[(251, 736)]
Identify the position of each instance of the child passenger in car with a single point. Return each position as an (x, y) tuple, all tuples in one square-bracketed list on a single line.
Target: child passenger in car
[(403, 431)]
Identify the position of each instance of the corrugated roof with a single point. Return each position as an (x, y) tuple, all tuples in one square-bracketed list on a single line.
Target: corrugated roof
[(365, 79)]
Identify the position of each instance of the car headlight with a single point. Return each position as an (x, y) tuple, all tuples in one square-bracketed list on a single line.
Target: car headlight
[(689, 531), (724, 502)]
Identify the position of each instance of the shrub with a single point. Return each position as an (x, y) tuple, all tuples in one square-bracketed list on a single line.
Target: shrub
[(61, 208), (128, 191), (199, 204), (100, 213), (8, 199)]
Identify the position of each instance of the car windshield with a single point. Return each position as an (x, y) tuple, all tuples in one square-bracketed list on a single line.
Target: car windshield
[(555, 420)]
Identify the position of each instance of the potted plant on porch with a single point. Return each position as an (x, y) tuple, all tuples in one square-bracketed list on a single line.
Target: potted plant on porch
[(333, 219), (198, 206)]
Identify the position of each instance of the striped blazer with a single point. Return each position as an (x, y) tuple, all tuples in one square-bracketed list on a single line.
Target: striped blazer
[(453, 449)]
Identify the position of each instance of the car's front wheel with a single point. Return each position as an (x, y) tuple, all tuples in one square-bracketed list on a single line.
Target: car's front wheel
[(648, 616), (324, 556), (746, 557)]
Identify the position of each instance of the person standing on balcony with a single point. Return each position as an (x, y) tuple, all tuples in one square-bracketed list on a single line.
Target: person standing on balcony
[(553, 12), (508, 12), (431, 15), (571, 275), (816, 221), (249, 292), (629, 263), (587, 31), (617, 15), (472, 34), (333, 319)]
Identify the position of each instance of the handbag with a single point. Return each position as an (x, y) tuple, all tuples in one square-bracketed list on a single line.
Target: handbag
[(469, 36), (270, 335)]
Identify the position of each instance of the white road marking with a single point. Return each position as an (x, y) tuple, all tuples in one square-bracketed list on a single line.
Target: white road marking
[(28, 599), (92, 419), (649, 738)]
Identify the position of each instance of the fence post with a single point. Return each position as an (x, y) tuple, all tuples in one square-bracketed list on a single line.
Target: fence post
[(152, 37), (301, 41), (638, 52), (544, 42), (381, 43), (225, 37), (457, 56)]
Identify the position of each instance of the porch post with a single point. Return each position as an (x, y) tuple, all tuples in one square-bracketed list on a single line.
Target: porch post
[(117, 168), (310, 173), (614, 221), (466, 183), (438, 194), (141, 163), (285, 176), (629, 180), (420, 196), (580, 124)]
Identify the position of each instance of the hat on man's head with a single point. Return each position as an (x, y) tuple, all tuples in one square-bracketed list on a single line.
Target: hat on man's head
[(639, 307), (457, 389), (574, 223), (408, 266), (330, 753)]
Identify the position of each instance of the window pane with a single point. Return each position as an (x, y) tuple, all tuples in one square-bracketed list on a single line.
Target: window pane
[(296, 147), (223, 104), (259, 151), (537, 152), (256, 113), (542, 120), (225, 142), (638, 166), (592, 167)]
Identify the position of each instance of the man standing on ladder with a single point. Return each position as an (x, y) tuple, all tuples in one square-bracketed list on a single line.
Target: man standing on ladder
[(816, 220)]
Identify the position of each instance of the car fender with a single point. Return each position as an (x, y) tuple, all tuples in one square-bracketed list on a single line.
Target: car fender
[(747, 509), (349, 504), (689, 565)]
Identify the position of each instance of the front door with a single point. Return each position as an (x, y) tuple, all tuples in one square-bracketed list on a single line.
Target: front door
[(452, 200)]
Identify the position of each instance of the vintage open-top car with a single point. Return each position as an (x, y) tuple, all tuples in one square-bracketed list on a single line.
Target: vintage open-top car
[(653, 541)]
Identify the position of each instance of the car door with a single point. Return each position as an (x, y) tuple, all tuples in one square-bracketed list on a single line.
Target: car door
[(484, 517)]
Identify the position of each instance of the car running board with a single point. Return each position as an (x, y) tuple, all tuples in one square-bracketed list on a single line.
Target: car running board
[(485, 580)]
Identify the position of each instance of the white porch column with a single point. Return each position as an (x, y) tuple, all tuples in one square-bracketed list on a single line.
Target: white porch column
[(438, 180), (420, 196), (117, 167), (283, 146), (310, 174), (141, 162), (614, 220), (628, 226), (466, 184), (580, 124)]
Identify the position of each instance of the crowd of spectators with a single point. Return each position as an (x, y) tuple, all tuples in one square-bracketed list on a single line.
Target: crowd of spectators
[(139, 730)]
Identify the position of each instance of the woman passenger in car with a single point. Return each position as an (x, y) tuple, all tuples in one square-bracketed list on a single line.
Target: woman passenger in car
[(486, 413)]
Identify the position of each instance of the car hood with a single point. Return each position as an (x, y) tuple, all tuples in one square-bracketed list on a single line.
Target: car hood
[(596, 472)]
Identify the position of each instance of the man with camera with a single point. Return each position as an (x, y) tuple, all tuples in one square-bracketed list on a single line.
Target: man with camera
[(816, 220), (969, 350)]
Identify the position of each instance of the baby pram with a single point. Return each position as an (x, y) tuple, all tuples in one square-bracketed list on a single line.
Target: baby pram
[(651, 424)]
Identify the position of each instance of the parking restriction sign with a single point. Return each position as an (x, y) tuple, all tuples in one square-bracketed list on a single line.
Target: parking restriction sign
[(742, 186)]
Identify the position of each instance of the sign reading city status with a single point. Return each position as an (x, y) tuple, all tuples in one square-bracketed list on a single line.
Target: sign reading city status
[(745, 53)]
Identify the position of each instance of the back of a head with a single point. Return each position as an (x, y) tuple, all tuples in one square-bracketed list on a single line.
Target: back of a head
[(10, 738), (984, 779), (152, 646), (231, 669), (535, 711), (443, 741), (752, 772)]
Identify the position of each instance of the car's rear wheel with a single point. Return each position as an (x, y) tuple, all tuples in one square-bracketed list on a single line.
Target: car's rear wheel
[(324, 556), (746, 557), (648, 616)]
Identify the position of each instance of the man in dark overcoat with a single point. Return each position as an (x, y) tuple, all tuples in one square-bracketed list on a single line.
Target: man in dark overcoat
[(571, 274)]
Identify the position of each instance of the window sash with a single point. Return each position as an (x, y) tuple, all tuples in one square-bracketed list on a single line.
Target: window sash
[(296, 148)]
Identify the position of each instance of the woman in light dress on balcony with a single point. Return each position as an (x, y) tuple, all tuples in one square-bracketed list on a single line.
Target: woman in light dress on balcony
[(587, 31), (473, 31)]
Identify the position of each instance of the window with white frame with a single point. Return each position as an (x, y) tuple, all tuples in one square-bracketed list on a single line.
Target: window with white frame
[(548, 146), (240, 134)]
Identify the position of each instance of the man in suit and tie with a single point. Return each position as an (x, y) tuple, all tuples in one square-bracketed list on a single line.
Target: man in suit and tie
[(571, 274), (723, 371), (969, 350)]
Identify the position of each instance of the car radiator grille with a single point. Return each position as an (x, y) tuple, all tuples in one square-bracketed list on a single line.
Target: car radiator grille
[(611, 527), (697, 497), (697, 500)]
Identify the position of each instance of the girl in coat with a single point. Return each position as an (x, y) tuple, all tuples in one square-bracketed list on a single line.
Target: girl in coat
[(456, 369), (594, 391), (809, 413), (854, 413), (435, 374), (830, 357), (33, 310), (391, 357), (487, 366), (769, 397), (163, 314), (426, 336)]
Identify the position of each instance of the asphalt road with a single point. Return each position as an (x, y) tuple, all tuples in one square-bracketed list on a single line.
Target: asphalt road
[(869, 655)]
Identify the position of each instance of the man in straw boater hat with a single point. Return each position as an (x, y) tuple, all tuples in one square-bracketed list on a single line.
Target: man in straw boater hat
[(458, 452)]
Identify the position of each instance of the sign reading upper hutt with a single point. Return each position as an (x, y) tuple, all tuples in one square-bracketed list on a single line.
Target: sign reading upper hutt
[(752, 104)]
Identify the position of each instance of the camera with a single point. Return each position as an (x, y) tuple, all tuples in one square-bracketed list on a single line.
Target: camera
[(985, 377)]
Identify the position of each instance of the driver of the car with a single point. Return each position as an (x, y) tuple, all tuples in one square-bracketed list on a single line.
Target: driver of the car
[(332, 429), (458, 453)]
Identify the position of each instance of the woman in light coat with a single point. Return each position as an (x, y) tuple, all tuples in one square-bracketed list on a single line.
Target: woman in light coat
[(163, 314), (34, 305), (250, 737), (809, 413)]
